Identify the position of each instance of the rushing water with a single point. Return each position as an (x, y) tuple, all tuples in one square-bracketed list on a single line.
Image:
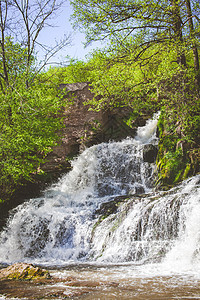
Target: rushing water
[(150, 234)]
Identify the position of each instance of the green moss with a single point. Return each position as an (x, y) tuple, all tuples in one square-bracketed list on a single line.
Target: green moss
[(170, 163), (186, 171), (29, 273), (160, 124), (178, 176)]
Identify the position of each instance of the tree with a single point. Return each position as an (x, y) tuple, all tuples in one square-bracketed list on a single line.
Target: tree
[(29, 104), (76, 71), (150, 23), (152, 61), (29, 126), (190, 17), (30, 18)]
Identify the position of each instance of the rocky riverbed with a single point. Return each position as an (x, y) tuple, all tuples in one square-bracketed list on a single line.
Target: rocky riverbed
[(27, 281), (102, 282)]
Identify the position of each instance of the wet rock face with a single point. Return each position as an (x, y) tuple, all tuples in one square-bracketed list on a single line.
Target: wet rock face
[(150, 153), (23, 271)]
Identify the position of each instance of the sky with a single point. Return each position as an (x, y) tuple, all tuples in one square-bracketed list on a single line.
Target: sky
[(63, 26)]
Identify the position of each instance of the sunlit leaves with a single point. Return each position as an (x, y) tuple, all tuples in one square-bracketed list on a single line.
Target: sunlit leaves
[(29, 124)]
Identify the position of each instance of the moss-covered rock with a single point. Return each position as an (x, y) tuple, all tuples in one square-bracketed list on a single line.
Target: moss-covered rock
[(23, 271), (178, 156)]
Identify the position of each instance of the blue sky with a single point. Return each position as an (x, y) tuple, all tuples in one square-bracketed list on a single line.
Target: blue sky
[(63, 26)]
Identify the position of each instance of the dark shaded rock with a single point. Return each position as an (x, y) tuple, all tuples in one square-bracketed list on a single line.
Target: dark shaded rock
[(110, 207), (139, 190), (149, 153)]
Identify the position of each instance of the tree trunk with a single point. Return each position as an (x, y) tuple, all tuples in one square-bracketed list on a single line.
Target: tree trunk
[(194, 46), (177, 28), (2, 44)]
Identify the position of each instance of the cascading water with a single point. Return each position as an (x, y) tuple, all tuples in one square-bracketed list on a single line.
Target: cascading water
[(64, 227), (163, 226)]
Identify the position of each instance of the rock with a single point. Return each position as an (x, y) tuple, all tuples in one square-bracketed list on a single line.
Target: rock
[(110, 207), (84, 127), (23, 271), (139, 190), (150, 152)]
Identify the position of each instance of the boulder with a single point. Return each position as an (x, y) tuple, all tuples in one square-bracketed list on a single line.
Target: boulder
[(23, 271), (149, 153)]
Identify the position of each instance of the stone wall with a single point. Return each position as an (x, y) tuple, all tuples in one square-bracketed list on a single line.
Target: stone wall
[(78, 121), (84, 127)]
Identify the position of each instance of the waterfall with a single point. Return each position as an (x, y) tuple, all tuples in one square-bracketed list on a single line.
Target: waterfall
[(64, 225), (164, 227)]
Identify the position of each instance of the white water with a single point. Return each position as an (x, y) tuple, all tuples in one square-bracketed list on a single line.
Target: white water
[(161, 229)]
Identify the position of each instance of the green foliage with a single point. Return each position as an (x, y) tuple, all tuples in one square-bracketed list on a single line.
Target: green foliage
[(118, 83), (179, 129), (76, 71), (171, 167), (148, 23), (28, 121)]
